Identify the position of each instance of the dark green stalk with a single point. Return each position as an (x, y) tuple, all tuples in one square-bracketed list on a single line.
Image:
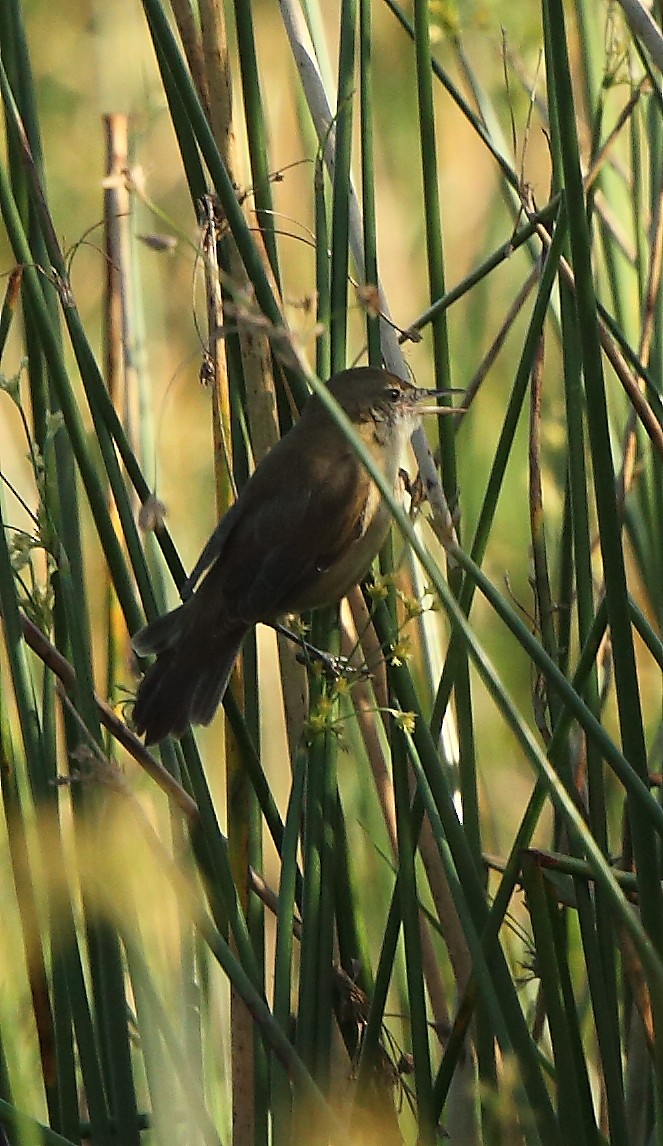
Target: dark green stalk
[(627, 691), (574, 1101), (323, 305), (595, 917), (330, 845), (9, 307), (28, 1127), (190, 155), (211, 850), (340, 223), (314, 1009), (648, 634), (502, 454), (545, 217), (351, 924), (159, 1040), (541, 578), (511, 872), (407, 884), (281, 1095), (308, 995), (654, 570), (433, 221), (503, 702), (274, 1037), (253, 766), (473, 893), (67, 1083), (70, 411), (638, 198), (75, 1005), (368, 177), (111, 1012), (255, 131), (248, 252), (446, 431), (565, 581), (368, 1061), (479, 127)]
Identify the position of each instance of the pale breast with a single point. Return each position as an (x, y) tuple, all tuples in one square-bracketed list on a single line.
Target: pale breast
[(348, 570), (336, 581)]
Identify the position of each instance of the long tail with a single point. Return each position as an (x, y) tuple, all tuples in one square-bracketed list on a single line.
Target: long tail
[(186, 683)]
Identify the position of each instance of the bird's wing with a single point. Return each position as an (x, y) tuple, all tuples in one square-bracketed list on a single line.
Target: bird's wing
[(212, 550), (265, 484), (271, 556)]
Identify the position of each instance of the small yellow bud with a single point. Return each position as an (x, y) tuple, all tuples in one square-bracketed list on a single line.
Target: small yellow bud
[(406, 721), (401, 651)]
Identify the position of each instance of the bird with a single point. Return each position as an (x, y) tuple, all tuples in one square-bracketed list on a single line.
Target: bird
[(303, 531)]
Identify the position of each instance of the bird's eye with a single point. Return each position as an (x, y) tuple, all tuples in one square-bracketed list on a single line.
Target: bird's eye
[(393, 394)]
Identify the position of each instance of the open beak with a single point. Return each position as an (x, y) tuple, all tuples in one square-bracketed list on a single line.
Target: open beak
[(425, 396)]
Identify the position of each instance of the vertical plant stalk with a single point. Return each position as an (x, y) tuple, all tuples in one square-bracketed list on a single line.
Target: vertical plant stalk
[(407, 849), (364, 698), (368, 180), (50, 346), (391, 352), (630, 447), (574, 1104), (442, 365), (254, 345), (12, 295), (258, 382), (370, 700), (259, 391), (318, 104), (188, 28), (256, 133), (23, 872), (242, 1035), (626, 677), (119, 361), (643, 25), (544, 603), (341, 180)]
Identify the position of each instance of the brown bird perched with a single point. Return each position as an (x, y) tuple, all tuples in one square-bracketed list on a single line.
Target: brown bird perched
[(303, 531)]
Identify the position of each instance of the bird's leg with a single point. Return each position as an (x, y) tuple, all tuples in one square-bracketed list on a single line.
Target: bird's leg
[(418, 495), (414, 489), (333, 666)]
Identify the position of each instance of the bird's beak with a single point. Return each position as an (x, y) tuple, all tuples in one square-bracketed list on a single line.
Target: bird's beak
[(425, 396)]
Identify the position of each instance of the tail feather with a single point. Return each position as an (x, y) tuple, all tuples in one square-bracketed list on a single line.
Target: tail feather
[(211, 686), (188, 679), (159, 635)]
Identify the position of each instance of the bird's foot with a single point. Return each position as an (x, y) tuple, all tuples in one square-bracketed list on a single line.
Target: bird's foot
[(333, 666), (415, 490)]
